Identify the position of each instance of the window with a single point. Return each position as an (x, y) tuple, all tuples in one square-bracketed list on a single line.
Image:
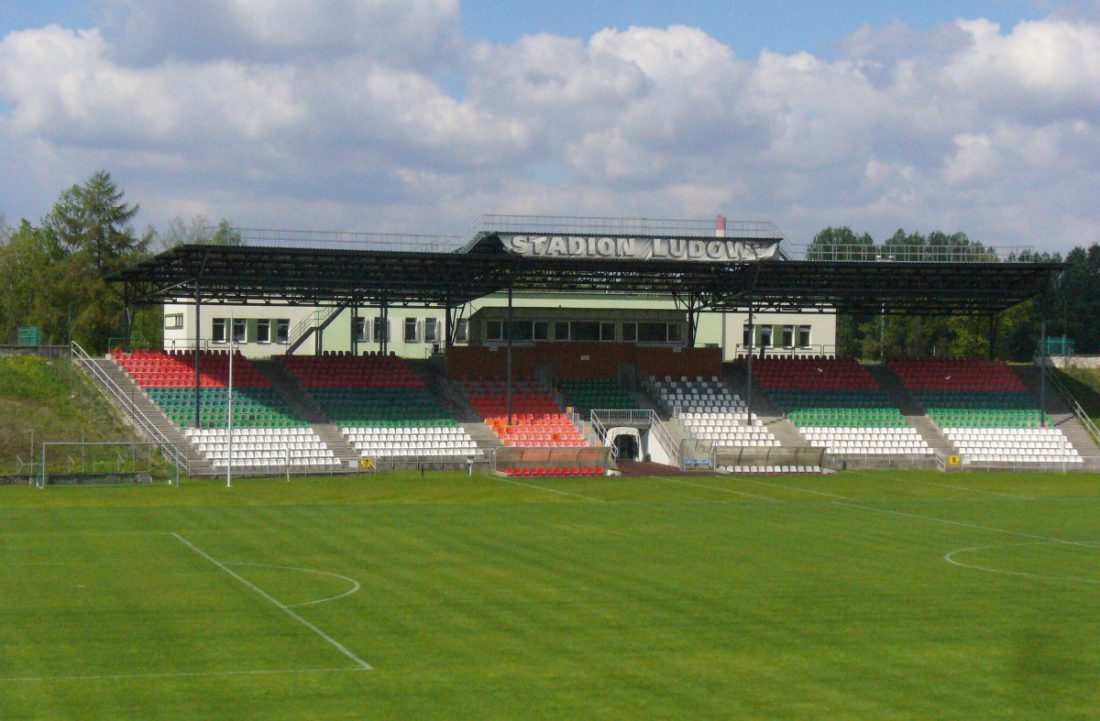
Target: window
[(561, 330), (675, 333), (804, 336), (359, 330), (263, 330), (788, 336), (746, 337), (173, 321), (411, 327), (585, 330), (494, 330), (652, 332), (282, 330), (607, 331), (542, 330), (240, 330), (630, 332), (462, 331), (381, 329), (522, 331), (219, 335), (431, 330), (765, 336)]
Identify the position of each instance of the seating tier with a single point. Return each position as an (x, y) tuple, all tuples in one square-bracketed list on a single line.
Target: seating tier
[(813, 374), (263, 448), (161, 369), (950, 374), (584, 394), (709, 411), (537, 421), (252, 407), (348, 371)]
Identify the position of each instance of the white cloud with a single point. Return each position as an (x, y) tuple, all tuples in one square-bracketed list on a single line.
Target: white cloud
[(343, 114)]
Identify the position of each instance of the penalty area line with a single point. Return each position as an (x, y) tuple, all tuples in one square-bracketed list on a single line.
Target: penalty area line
[(551, 490), (279, 604), (178, 674)]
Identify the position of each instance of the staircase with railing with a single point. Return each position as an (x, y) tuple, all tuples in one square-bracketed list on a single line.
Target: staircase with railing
[(146, 416)]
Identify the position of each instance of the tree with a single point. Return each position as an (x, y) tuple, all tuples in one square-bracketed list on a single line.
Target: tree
[(197, 231), (94, 219)]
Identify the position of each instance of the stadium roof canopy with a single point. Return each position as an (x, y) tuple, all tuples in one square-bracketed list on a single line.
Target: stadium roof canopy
[(265, 270)]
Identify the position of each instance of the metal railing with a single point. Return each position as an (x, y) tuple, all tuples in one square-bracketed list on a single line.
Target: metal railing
[(910, 253), (1047, 368), (770, 351), (601, 418), (594, 225), (321, 239), (126, 403)]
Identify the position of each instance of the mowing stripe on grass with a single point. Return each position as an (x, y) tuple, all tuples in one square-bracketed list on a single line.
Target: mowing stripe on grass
[(178, 674), (745, 494), (551, 490), (952, 487), (793, 488), (974, 526), (283, 607)]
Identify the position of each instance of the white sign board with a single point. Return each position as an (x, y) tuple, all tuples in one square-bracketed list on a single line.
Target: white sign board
[(591, 247)]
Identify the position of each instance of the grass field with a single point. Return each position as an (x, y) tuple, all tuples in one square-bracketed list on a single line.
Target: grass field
[(49, 400), (856, 596)]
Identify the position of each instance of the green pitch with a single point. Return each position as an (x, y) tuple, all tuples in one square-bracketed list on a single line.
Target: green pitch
[(856, 596)]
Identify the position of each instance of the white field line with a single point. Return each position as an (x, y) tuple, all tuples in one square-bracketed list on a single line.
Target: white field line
[(972, 526), (177, 674), (281, 606), (793, 488), (355, 586), (551, 490), (953, 487), (744, 494), (950, 558)]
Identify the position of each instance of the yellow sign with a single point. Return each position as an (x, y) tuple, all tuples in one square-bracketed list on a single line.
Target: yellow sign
[(366, 463), (953, 460)]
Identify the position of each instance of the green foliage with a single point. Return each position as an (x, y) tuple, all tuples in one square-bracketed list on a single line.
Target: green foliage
[(49, 400), (1073, 302), (94, 219)]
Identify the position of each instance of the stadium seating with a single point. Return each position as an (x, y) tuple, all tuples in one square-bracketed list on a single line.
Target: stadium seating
[(584, 394), (381, 405), (837, 404), (709, 411), (266, 433), (263, 448), (985, 410), (537, 421), (536, 472)]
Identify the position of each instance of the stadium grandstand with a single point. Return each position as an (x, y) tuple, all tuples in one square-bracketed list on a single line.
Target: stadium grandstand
[(574, 346)]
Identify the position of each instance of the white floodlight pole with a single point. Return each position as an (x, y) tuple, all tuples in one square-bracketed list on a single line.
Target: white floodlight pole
[(229, 401)]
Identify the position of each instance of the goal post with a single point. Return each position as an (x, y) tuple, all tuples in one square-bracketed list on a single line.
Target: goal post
[(104, 463)]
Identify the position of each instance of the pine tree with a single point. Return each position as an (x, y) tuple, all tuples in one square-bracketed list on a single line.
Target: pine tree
[(94, 219)]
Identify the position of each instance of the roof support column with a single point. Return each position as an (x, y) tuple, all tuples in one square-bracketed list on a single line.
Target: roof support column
[(385, 328), (198, 350), (509, 337), (748, 374), (994, 326), (447, 325)]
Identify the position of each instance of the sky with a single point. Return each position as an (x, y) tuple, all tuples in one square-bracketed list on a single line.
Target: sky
[(979, 116)]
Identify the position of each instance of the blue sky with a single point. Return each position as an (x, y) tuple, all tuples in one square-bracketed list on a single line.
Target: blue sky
[(418, 115)]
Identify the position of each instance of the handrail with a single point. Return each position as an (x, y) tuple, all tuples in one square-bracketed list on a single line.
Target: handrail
[(1046, 367), (602, 417), (113, 391), (303, 328)]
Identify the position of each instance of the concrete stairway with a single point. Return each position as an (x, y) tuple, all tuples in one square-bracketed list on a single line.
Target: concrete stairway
[(899, 395), (198, 464), (1060, 415), (765, 409), (303, 405)]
